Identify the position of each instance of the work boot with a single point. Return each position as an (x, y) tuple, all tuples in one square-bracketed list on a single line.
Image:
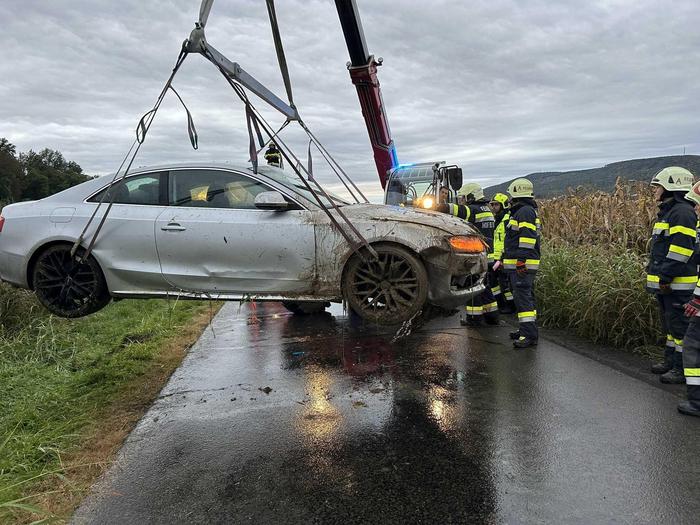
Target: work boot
[(689, 408), (514, 335), (524, 342), (470, 320), (665, 365), (673, 377)]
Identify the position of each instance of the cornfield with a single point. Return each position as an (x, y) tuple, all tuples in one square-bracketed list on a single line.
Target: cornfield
[(592, 274), (622, 219)]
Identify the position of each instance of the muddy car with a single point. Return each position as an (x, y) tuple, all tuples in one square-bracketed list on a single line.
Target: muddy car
[(222, 232)]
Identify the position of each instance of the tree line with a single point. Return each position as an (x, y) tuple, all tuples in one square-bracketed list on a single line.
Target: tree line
[(35, 175)]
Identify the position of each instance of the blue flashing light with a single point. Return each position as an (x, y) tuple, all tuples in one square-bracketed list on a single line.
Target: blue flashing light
[(406, 165)]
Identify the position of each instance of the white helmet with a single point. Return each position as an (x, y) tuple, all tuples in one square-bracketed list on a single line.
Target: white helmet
[(471, 188), (521, 188), (673, 178)]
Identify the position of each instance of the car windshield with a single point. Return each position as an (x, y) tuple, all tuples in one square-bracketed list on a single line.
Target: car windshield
[(408, 186), (295, 185)]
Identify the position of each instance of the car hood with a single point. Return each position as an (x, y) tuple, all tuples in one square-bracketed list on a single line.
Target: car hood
[(383, 212)]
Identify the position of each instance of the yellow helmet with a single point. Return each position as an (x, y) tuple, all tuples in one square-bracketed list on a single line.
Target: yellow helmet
[(521, 188), (473, 188), (673, 178), (694, 194), (502, 199)]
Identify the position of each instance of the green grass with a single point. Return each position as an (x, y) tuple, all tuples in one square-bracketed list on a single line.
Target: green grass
[(598, 292), (56, 375)]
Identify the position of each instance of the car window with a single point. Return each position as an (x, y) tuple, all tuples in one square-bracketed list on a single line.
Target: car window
[(295, 185), (139, 189), (214, 189)]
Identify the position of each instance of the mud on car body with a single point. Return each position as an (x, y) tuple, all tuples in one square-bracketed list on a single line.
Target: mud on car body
[(224, 232)]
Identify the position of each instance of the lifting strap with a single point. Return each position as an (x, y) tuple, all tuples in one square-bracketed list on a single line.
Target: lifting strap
[(281, 59), (141, 131)]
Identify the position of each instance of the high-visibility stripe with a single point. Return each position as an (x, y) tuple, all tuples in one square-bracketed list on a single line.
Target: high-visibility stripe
[(678, 343), (677, 257), (691, 372), (484, 215), (528, 225), (522, 315), (679, 249), (660, 227), (694, 381), (684, 230), (513, 224), (669, 341), (530, 264), (678, 283), (509, 296), (474, 310), (496, 290), (491, 307), (526, 242)]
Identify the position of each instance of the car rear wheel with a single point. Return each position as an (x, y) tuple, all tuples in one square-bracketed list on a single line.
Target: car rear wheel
[(390, 289), (305, 307), (66, 287)]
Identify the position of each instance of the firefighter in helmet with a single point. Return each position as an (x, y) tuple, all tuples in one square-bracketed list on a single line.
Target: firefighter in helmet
[(483, 306), (521, 259), (273, 156), (672, 270), (691, 341), (500, 206)]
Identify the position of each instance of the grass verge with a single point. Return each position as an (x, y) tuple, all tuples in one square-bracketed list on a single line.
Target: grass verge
[(71, 390), (598, 292)]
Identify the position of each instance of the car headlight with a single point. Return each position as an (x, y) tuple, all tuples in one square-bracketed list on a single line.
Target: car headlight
[(467, 244), (427, 203)]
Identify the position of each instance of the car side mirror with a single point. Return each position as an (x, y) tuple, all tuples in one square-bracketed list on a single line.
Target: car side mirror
[(271, 200)]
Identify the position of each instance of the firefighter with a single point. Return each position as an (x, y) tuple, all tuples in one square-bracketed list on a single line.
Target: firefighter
[(484, 306), (672, 271), (691, 341), (273, 157), (521, 259), (501, 286)]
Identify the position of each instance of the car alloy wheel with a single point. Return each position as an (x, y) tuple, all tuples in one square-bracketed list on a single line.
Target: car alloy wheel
[(389, 289), (66, 286)]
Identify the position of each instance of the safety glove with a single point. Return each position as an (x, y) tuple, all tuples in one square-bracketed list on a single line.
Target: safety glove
[(692, 307), (521, 268)]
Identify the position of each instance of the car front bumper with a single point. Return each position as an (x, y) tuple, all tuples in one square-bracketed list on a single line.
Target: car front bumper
[(455, 278)]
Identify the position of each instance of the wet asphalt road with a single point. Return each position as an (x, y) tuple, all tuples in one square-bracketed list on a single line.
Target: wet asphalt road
[(443, 426)]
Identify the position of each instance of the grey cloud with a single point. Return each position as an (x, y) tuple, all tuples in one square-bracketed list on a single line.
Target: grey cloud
[(500, 87)]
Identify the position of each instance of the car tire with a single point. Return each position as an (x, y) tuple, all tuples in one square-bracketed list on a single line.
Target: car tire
[(305, 307), (388, 290), (68, 288)]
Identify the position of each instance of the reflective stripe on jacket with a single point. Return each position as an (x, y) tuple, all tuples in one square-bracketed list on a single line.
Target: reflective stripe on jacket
[(499, 236), (522, 236), (673, 243)]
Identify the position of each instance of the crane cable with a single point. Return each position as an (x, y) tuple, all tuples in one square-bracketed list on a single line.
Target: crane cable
[(284, 70), (141, 130)]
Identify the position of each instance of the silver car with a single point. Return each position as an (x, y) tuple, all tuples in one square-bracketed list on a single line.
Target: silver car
[(223, 232)]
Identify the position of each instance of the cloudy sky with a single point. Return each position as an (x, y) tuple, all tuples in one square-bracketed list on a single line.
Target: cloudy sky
[(500, 87)]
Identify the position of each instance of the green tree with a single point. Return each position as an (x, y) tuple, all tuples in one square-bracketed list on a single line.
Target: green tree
[(48, 172), (11, 172)]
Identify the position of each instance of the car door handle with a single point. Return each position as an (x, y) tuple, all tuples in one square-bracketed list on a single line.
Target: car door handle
[(173, 227)]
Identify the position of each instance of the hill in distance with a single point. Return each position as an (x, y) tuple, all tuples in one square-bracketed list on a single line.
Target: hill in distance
[(555, 183)]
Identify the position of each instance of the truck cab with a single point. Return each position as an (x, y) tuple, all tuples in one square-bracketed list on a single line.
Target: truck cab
[(418, 185)]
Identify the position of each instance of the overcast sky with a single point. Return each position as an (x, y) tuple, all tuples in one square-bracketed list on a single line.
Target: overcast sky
[(502, 88)]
